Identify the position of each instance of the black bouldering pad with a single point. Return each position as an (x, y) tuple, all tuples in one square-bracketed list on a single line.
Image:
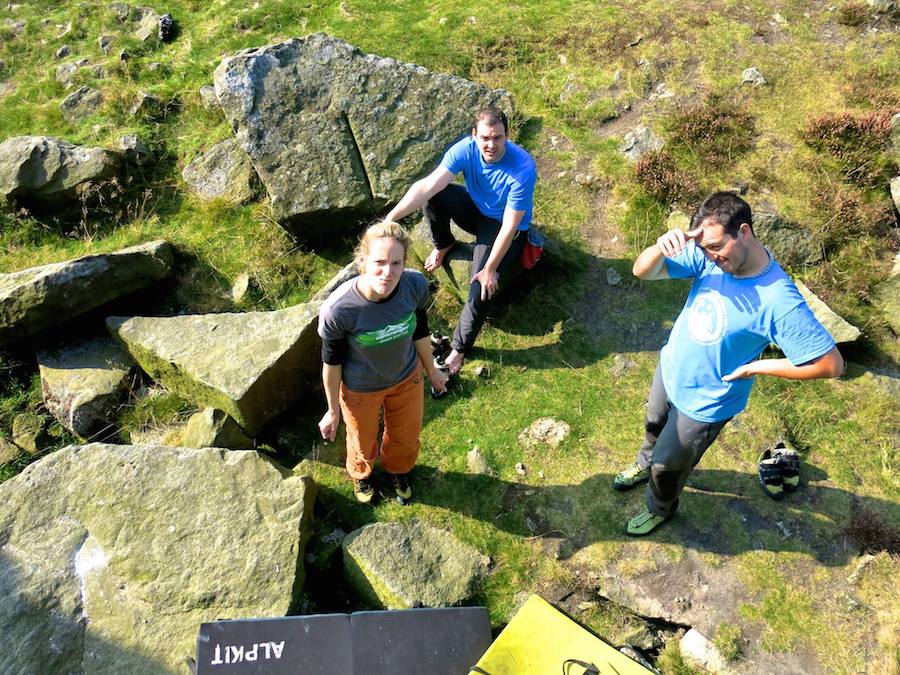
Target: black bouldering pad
[(313, 645), (434, 641)]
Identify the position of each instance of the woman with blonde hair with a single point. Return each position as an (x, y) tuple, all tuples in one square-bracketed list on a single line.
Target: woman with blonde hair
[(375, 341)]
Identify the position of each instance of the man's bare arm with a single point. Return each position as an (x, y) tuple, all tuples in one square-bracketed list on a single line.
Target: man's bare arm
[(650, 265), (488, 276), (420, 192), (830, 364)]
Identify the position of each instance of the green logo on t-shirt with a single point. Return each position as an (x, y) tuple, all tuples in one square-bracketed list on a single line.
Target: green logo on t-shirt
[(390, 333)]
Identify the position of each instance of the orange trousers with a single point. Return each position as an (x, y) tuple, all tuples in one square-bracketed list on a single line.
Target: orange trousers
[(404, 407)]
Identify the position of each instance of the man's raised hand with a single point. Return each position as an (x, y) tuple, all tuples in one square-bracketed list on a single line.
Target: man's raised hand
[(673, 242)]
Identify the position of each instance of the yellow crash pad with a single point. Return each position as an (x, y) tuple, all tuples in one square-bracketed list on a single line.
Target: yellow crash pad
[(541, 640)]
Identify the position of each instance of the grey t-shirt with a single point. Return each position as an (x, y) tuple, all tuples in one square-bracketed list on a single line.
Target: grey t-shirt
[(380, 350)]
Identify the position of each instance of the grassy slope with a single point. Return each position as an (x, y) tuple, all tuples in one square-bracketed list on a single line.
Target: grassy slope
[(560, 60)]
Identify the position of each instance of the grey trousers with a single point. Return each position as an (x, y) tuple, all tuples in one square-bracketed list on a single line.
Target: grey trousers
[(454, 202), (673, 444)]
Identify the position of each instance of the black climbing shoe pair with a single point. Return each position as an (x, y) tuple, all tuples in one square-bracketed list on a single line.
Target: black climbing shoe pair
[(364, 491), (779, 470)]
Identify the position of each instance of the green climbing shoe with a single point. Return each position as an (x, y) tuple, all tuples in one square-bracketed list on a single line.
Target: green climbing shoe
[(629, 477), (644, 523)]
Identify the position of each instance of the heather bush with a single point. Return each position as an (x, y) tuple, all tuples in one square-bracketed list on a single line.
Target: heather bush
[(716, 131), (661, 178), (857, 142)]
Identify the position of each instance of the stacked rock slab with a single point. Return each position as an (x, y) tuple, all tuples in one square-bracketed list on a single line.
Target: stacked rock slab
[(83, 383), (211, 428), (839, 328), (334, 132), (792, 244), (251, 365), (37, 298), (44, 168), (402, 565), (112, 556), (222, 172)]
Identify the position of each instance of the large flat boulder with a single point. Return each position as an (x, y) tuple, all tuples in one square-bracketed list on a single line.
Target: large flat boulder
[(886, 297), (841, 329), (411, 564), (112, 556), (37, 298), (42, 168), (83, 383), (386, 124), (250, 365), (792, 244)]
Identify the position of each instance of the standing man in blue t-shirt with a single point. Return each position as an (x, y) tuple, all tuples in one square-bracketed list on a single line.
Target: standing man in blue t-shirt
[(740, 302), (495, 205)]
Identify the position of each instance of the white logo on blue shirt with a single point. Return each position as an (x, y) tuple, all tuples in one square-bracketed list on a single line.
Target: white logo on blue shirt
[(707, 319)]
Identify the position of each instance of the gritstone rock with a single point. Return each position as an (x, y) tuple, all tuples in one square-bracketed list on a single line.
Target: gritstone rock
[(147, 105), (81, 103), (213, 428), (84, 383), (50, 169), (639, 142), (34, 299), (224, 171), (476, 463), (546, 432), (29, 432), (792, 244), (895, 192), (387, 124), (66, 71), (208, 98), (8, 451), (347, 272), (252, 365), (699, 648), (147, 24), (410, 564), (134, 150), (841, 330), (112, 555), (754, 77), (886, 297)]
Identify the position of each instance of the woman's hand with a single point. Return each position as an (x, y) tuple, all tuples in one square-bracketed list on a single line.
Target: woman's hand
[(328, 425), (438, 379)]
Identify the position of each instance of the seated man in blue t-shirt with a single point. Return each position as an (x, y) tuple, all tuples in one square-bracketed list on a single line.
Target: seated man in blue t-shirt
[(495, 205), (740, 302)]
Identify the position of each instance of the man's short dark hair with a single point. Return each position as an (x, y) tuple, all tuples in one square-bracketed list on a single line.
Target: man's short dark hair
[(725, 208), (492, 116)]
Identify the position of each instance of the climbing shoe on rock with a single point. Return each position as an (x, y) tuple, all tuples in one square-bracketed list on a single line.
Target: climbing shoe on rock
[(363, 490), (400, 481), (644, 523), (789, 463), (770, 478), (629, 477)]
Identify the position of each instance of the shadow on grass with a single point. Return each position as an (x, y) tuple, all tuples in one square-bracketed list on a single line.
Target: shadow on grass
[(722, 512)]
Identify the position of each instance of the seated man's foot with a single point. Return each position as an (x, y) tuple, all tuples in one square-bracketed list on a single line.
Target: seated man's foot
[(630, 477), (436, 258), (454, 361), (644, 523)]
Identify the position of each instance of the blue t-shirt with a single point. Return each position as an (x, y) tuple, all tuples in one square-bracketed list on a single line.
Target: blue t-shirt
[(493, 187), (727, 322)]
